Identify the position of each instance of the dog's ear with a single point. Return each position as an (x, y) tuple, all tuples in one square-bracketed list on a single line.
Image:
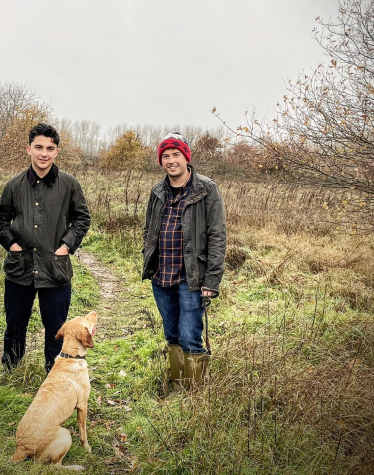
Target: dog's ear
[(86, 338), (60, 333)]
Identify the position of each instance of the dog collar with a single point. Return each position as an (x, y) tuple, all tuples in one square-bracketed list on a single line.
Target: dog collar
[(66, 355)]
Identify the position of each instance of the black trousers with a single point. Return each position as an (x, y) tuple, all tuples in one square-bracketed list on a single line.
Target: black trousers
[(54, 305)]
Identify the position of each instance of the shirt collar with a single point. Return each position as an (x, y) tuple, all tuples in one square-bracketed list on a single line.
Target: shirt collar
[(184, 187), (49, 179)]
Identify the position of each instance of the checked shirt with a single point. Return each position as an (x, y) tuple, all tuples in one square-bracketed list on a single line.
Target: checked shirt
[(171, 269)]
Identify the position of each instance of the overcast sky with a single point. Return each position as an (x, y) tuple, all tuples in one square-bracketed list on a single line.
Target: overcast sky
[(159, 61)]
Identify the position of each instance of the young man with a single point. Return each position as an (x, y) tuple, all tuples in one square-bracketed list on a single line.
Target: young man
[(184, 249), (43, 218)]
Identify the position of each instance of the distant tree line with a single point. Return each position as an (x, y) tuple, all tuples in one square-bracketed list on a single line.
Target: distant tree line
[(214, 151), (322, 135)]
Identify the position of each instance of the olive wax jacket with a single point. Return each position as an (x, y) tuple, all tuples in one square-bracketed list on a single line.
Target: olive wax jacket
[(40, 219), (204, 232)]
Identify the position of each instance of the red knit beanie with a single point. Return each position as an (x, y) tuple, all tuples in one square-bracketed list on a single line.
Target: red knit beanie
[(174, 140)]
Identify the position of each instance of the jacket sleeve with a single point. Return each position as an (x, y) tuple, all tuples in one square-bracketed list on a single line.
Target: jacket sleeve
[(7, 213), (216, 238), (79, 218), (147, 220)]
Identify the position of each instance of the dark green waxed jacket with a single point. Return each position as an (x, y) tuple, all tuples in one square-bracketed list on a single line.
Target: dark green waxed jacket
[(204, 232), (40, 219)]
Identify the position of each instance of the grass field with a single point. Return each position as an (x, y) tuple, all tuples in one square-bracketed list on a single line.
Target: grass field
[(291, 381)]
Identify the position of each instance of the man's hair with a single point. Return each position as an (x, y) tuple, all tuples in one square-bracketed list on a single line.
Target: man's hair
[(45, 130)]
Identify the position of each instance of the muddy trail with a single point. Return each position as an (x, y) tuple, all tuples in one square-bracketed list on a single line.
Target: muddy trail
[(115, 311), (109, 284)]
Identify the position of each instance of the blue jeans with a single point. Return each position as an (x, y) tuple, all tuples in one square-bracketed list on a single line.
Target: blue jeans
[(54, 305), (182, 316)]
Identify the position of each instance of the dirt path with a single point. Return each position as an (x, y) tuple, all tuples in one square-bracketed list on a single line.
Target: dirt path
[(110, 288), (110, 285)]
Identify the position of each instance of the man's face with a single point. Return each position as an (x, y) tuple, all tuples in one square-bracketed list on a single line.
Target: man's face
[(43, 152), (174, 163)]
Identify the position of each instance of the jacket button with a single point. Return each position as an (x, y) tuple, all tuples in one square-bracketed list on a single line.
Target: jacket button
[(38, 181), (35, 226), (36, 272), (36, 204), (35, 249)]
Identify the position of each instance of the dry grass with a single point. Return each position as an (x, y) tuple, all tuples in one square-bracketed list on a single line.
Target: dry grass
[(291, 383)]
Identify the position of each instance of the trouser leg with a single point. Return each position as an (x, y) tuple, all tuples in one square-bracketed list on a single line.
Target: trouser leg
[(190, 325), (190, 336), (167, 301), (182, 316), (18, 301), (54, 305)]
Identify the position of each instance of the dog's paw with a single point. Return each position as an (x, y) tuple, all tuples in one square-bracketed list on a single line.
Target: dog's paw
[(86, 445), (17, 457), (77, 468)]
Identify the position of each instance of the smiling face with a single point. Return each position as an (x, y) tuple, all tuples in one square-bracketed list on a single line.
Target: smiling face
[(43, 152), (175, 164)]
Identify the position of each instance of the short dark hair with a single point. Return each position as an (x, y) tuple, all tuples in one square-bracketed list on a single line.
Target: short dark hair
[(45, 130)]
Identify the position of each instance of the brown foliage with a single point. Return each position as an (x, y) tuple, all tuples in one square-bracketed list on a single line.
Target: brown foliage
[(206, 152), (69, 153), (125, 153), (20, 110)]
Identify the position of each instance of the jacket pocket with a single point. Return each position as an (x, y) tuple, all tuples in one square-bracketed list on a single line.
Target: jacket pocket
[(62, 269), (14, 264)]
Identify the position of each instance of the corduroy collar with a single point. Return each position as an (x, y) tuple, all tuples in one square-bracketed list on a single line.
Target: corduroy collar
[(49, 179)]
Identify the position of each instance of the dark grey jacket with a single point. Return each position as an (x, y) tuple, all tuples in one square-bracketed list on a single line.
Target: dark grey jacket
[(40, 219), (204, 232)]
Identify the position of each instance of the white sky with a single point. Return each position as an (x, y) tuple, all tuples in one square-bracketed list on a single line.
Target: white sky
[(159, 62)]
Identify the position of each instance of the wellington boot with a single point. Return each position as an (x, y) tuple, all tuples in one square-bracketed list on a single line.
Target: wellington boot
[(195, 368), (176, 367)]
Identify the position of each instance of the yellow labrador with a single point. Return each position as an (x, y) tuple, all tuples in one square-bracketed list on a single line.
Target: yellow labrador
[(67, 387)]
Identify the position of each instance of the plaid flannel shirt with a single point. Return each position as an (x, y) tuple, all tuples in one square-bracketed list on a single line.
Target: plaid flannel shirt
[(171, 269)]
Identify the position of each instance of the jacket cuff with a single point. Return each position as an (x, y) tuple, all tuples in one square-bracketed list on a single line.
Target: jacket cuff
[(69, 240), (211, 283), (7, 239), (215, 292)]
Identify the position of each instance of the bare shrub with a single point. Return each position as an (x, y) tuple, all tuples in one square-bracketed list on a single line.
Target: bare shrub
[(235, 257), (323, 132), (20, 110)]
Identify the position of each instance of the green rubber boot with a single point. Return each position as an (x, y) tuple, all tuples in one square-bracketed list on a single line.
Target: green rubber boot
[(195, 368), (176, 367)]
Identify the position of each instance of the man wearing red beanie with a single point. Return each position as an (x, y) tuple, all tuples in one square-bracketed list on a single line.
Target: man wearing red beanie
[(184, 250)]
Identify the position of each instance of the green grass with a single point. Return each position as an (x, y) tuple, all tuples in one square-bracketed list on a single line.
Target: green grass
[(208, 432), (284, 395), (18, 388)]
